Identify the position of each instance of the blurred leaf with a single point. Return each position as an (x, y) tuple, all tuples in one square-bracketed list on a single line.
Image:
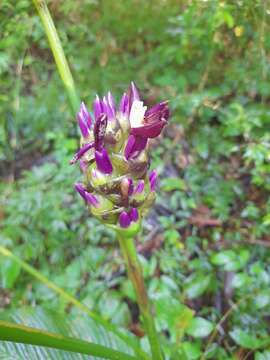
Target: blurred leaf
[(9, 272), (197, 286), (231, 260), (247, 340), (262, 355), (173, 316), (191, 350), (170, 184), (200, 328)]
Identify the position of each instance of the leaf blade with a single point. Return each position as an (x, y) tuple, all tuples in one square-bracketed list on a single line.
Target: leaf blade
[(28, 335)]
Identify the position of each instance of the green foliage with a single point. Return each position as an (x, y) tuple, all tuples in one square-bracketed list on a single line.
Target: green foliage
[(207, 266), (71, 329)]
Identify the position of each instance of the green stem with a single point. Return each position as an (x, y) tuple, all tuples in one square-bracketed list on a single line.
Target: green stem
[(135, 274), (27, 335), (58, 53)]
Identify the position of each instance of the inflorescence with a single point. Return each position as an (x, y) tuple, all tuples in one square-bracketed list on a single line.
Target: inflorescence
[(114, 157)]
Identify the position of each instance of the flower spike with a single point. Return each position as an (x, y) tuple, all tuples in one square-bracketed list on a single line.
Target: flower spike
[(114, 157)]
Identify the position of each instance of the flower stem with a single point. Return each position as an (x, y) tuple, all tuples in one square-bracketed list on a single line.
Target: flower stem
[(135, 274), (58, 53)]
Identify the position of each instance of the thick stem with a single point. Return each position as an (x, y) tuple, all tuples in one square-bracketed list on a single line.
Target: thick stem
[(58, 53), (135, 274)]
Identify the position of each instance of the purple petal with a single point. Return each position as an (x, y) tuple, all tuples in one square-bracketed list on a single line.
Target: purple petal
[(103, 161), (124, 105), (108, 110), (84, 119), (89, 198), (157, 112), (153, 180), (98, 107), (134, 214), (81, 152), (80, 189), (140, 187), (133, 95), (134, 144), (134, 92), (111, 103), (150, 130), (129, 147), (100, 131), (124, 220)]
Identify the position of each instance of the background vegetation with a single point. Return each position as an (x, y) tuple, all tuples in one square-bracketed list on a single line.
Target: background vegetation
[(205, 253)]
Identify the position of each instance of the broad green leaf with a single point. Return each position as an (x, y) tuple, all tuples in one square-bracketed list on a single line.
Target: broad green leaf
[(21, 334), (247, 340), (79, 327), (199, 328), (129, 339)]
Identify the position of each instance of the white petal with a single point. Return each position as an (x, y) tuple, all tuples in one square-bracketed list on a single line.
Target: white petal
[(136, 115)]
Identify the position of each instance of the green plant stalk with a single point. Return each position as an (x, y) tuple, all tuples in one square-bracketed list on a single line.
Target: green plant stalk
[(58, 53), (27, 335), (135, 274), (69, 298)]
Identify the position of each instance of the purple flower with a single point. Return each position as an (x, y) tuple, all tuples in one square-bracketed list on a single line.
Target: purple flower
[(133, 94), (98, 107), (115, 143), (103, 161), (124, 220), (153, 122), (124, 105), (134, 214), (134, 145), (81, 152), (140, 187), (89, 198), (111, 106), (84, 120)]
